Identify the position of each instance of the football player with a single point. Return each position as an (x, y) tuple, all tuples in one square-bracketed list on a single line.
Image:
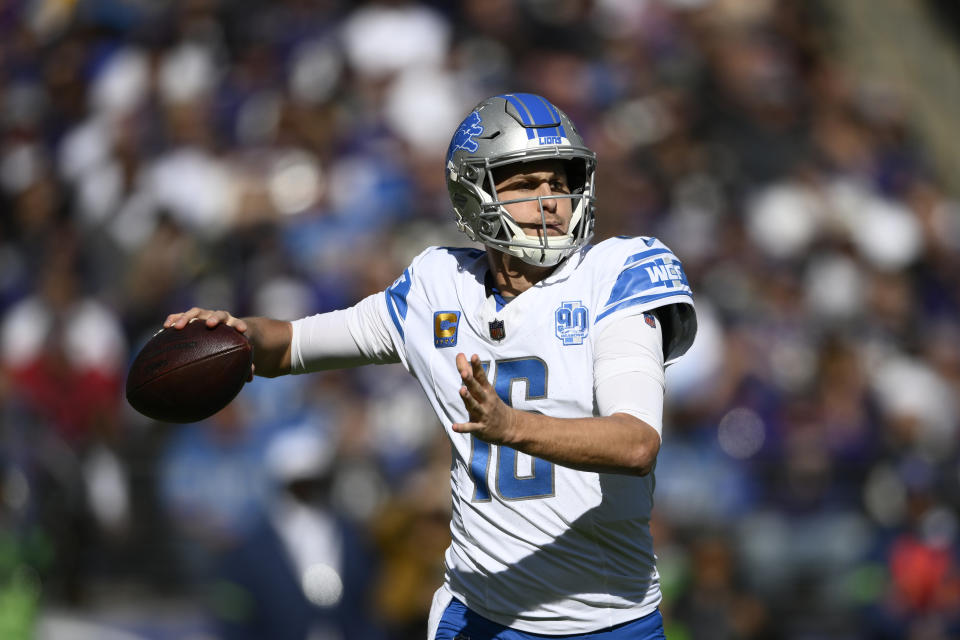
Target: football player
[(543, 356)]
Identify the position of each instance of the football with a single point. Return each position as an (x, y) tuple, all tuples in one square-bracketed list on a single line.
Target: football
[(189, 374)]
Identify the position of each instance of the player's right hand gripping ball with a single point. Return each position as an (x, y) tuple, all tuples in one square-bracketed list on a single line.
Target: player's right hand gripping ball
[(189, 374)]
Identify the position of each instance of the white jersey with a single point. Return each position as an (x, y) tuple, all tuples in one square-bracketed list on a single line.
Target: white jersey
[(537, 546)]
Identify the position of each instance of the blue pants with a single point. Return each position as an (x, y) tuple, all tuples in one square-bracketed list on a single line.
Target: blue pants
[(459, 623)]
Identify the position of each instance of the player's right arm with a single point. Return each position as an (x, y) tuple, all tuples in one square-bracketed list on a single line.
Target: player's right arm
[(333, 340), (370, 332), (269, 338)]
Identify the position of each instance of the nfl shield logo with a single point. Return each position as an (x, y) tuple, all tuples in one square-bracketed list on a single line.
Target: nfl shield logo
[(497, 332)]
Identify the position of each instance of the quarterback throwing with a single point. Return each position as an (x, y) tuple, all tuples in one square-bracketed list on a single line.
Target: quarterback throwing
[(543, 356)]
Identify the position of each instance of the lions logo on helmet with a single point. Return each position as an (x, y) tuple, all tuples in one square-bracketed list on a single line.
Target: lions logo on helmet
[(511, 128), (464, 137)]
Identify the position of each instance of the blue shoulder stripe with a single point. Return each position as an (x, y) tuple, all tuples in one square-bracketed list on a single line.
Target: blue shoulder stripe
[(397, 300), (647, 276), (643, 255), (623, 304), (471, 252)]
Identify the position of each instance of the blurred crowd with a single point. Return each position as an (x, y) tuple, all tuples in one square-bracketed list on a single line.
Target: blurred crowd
[(284, 158)]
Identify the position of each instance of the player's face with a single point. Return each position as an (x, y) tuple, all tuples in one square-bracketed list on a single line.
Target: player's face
[(543, 179)]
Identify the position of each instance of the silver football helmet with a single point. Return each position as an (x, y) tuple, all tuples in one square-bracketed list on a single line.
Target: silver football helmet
[(509, 128)]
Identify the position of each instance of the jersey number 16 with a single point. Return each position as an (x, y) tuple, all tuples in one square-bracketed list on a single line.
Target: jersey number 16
[(510, 485)]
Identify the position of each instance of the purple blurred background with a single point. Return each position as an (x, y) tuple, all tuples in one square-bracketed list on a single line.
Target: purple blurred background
[(285, 158)]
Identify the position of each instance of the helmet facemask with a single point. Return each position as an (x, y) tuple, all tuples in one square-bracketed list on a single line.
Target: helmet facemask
[(484, 217)]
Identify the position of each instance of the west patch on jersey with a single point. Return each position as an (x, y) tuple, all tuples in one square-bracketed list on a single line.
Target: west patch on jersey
[(445, 325), (572, 322), (646, 277)]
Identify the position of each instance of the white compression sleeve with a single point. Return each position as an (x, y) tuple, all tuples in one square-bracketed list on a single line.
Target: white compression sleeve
[(628, 370), (343, 338)]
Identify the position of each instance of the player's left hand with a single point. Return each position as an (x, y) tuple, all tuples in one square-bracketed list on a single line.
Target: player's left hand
[(491, 419)]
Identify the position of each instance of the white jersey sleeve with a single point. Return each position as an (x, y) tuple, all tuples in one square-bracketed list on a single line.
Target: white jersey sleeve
[(628, 375), (343, 338), (370, 332)]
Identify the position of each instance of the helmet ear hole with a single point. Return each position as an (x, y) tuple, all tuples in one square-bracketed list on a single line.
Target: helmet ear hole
[(489, 227), (576, 175)]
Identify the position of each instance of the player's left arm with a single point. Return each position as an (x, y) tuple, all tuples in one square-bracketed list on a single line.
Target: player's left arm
[(629, 386)]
